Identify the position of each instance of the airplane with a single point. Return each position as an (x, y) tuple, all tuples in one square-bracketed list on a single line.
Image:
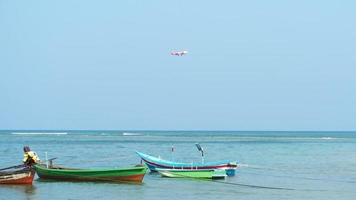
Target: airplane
[(178, 53)]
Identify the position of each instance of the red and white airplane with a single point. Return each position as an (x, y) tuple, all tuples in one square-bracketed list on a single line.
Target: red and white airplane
[(178, 53)]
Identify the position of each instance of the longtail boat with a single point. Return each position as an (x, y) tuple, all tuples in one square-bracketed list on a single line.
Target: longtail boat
[(192, 173), (130, 174), (154, 162), (24, 175)]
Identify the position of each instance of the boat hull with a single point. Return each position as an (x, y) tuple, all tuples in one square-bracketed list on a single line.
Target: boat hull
[(132, 174), (153, 163), (192, 173), (18, 178)]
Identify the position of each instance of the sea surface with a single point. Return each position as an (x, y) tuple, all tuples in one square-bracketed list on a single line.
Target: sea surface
[(273, 165)]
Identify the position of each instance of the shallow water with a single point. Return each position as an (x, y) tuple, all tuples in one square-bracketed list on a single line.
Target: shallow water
[(274, 165)]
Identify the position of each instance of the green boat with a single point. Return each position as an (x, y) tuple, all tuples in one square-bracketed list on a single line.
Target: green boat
[(192, 173), (130, 174)]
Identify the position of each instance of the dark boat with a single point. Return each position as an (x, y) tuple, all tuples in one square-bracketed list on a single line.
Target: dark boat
[(24, 175)]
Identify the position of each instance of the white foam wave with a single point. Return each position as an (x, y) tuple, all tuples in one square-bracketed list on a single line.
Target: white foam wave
[(39, 133), (131, 134), (327, 138)]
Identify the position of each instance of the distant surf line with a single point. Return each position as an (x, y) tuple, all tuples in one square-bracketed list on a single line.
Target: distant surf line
[(39, 133), (327, 138), (131, 134)]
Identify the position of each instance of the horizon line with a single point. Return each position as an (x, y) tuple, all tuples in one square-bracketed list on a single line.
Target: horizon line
[(175, 130)]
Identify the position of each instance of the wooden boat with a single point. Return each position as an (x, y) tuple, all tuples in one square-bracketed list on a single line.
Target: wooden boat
[(193, 173), (24, 175), (130, 174), (153, 163)]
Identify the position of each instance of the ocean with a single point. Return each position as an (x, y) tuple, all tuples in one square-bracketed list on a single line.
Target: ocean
[(273, 165)]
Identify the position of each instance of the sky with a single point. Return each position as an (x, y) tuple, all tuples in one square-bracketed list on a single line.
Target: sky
[(105, 65)]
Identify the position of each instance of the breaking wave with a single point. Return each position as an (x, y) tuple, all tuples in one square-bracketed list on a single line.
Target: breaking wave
[(131, 134), (39, 133), (327, 138)]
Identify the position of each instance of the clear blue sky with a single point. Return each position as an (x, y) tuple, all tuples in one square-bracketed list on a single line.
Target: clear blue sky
[(252, 65)]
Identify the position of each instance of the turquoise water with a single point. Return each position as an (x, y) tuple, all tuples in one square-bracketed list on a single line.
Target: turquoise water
[(274, 165)]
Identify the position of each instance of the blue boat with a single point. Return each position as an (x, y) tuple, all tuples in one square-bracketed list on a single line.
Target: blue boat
[(155, 162)]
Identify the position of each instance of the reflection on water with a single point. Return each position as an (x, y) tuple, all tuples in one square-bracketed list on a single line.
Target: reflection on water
[(19, 191), (108, 182)]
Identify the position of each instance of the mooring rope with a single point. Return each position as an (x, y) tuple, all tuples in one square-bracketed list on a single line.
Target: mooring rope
[(237, 184)]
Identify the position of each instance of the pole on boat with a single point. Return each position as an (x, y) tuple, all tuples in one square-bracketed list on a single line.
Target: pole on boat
[(46, 159), (12, 167), (201, 150), (172, 151)]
